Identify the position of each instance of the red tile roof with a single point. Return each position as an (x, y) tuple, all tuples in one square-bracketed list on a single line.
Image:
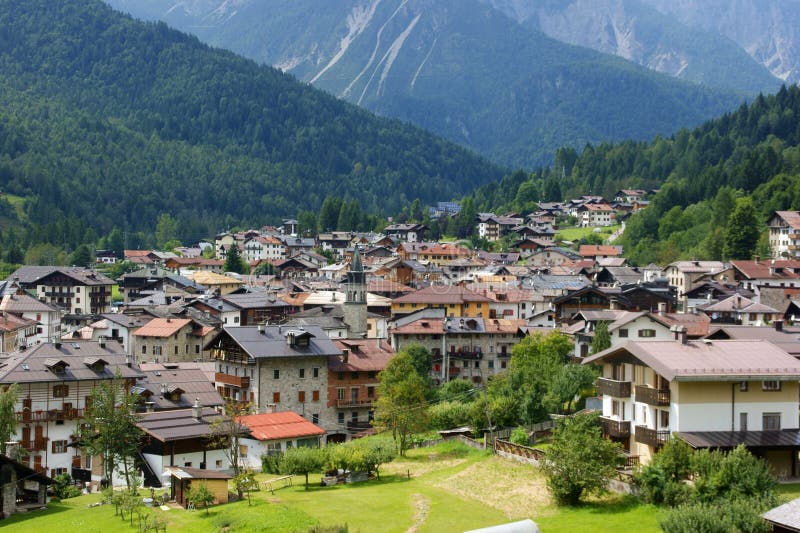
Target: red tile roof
[(591, 250), (366, 355), (276, 426), (162, 327), (773, 269), (442, 294)]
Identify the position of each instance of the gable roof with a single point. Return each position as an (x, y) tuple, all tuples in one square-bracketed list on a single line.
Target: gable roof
[(726, 360), (277, 426), (162, 327), (442, 294), (271, 341)]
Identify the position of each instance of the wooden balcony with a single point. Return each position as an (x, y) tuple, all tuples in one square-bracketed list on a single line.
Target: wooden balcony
[(612, 387), (620, 429), (341, 404), (36, 445), (243, 382), (652, 396), (50, 416), (651, 437)]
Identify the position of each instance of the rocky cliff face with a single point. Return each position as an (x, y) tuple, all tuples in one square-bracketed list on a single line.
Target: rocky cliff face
[(769, 30), (639, 32)]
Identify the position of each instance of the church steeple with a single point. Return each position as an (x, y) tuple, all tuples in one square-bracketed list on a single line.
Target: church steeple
[(355, 304)]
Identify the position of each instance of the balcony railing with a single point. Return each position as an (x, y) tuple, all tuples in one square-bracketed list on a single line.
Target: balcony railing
[(652, 437), (652, 396), (620, 429), (358, 425), (51, 415), (465, 354), (243, 382), (612, 387), (355, 403), (36, 445)]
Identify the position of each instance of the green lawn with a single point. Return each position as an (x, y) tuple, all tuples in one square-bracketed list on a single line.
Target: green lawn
[(450, 488), (575, 234)]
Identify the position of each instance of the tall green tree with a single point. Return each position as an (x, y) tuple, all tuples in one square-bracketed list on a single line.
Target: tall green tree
[(580, 460), (302, 461), (166, 230), (9, 395), (111, 431), (234, 261), (402, 400), (116, 243), (741, 234), (602, 339), (82, 256)]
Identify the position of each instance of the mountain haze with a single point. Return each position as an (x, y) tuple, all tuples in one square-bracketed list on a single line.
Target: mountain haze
[(106, 121), (459, 68), (638, 32)]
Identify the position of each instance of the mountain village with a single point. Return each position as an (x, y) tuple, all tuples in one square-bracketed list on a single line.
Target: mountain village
[(701, 351)]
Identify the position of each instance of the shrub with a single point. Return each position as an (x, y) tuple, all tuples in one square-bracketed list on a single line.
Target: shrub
[(449, 414), (271, 464), (64, 488), (737, 515), (520, 436)]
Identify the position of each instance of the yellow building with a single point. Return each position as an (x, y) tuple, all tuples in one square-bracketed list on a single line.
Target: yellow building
[(217, 282), (711, 394), (456, 301)]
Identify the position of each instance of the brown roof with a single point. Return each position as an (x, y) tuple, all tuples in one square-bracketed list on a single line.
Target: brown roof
[(592, 250), (773, 269), (162, 327), (366, 355), (792, 218), (708, 360), (178, 424), (696, 324), (275, 426), (442, 294), (30, 366)]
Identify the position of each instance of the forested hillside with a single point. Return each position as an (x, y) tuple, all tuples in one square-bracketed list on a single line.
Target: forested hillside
[(459, 68), (109, 122), (746, 162)]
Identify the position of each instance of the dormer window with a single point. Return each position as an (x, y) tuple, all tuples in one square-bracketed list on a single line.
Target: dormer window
[(95, 363), (56, 366)]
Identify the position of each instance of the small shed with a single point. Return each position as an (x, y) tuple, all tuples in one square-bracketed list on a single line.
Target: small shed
[(21, 488), (184, 478)]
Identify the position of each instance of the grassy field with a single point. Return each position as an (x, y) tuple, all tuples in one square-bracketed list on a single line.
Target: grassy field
[(575, 234), (450, 488)]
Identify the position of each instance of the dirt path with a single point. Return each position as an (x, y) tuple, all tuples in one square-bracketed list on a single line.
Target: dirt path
[(422, 506)]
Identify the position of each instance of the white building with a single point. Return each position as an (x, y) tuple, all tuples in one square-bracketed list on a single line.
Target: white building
[(274, 433)]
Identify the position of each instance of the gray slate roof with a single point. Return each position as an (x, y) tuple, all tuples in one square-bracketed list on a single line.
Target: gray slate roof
[(271, 341)]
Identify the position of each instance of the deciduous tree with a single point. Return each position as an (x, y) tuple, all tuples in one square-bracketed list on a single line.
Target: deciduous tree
[(402, 406)]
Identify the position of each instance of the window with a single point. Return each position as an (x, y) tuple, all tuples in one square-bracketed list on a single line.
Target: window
[(371, 374), (742, 421), (491, 363), (315, 372), (144, 350), (196, 348), (503, 364), (771, 385), (176, 350), (242, 450), (218, 463), (59, 446), (370, 392), (664, 421), (340, 375), (647, 333), (340, 394), (742, 386), (276, 374), (301, 396), (614, 408), (315, 418), (60, 391), (276, 397), (354, 416), (156, 350), (58, 471), (340, 418), (771, 421), (315, 396), (302, 373), (187, 464), (354, 375), (623, 333)]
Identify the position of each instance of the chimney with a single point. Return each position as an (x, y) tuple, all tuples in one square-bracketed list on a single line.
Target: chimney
[(163, 388), (197, 411), (12, 449), (57, 344), (102, 343), (681, 330), (128, 361), (613, 304), (756, 259), (662, 308), (262, 329), (778, 325), (345, 355), (149, 407)]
